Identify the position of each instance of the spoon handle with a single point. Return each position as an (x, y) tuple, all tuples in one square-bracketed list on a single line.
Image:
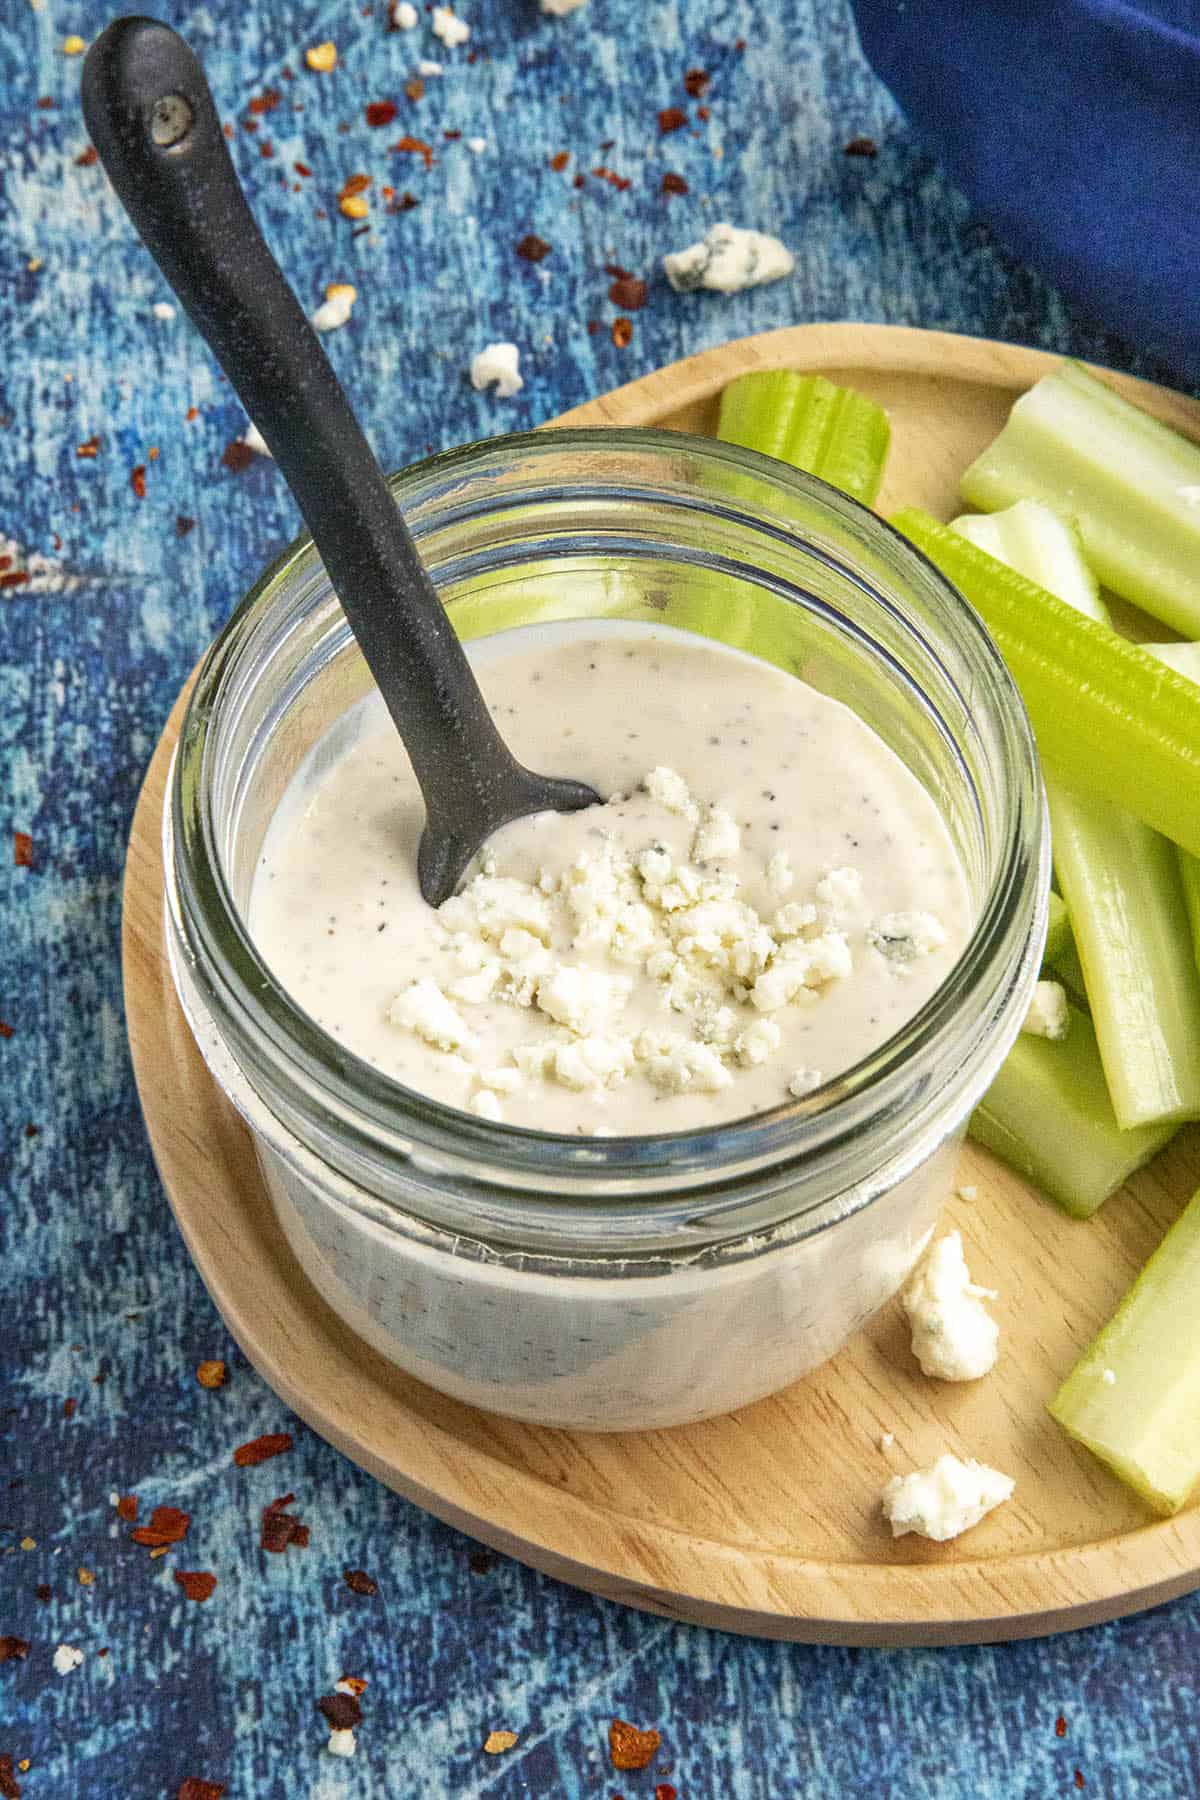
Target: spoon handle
[(153, 122)]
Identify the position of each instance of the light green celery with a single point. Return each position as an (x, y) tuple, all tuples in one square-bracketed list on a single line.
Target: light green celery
[(1131, 484), (1058, 930), (1067, 968), (1036, 542), (1131, 931), (832, 432), (1048, 1115), (1108, 717), (1185, 660), (1133, 1398), (1118, 877)]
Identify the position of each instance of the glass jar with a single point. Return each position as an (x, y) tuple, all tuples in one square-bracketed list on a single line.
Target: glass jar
[(613, 1283)]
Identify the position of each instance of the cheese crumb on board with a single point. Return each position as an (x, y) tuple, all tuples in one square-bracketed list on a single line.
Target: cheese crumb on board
[(945, 1500), (954, 1337)]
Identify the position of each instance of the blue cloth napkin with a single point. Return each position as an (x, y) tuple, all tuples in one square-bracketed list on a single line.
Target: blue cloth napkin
[(1074, 127)]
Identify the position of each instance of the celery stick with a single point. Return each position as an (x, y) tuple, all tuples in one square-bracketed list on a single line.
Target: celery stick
[(1108, 717), (1068, 969), (1185, 660), (1131, 930), (1048, 1114), (829, 431), (1036, 542), (1130, 483), (1058, 930), (1133, 1398)]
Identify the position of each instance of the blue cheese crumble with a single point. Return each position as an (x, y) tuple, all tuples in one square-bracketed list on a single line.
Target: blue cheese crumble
[(728, 259)]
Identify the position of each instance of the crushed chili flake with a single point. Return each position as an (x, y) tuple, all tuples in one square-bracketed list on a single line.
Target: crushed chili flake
[(862, 146), (266, 148), (353, 1684), (674, 184), (403, 202), (211, 1374), (183, 524), (628, 291), (532, 248), (137, 481), (497, 1742), (630, 1748), (354, 184), (6, 1030), (703, 114), (87, 158), (413, 146), (228, 130), (1060, 1726), (452, 136), (249, 124), (559, 161), (622, 333), (265, 102), (32, 1131), (664, 1791), (281, 1528), (89, 448), (739, 45), (22, 850), (340, 1711), (237, 456), (579, 181), (272, 1443), (127, 1508), (617, 272), (192, 1788), (10, 1787), (671, 118), (696, 82), (15, 578), (481, 1562), (359, 1582), (193, 412), (302, 169), (168, 1525), (45, 103), (13, 1649), (152, 453), (69, 1405), (43, 1591), (197, 1584), (1079, 1781), (87, 1577), (380, 112), (414, 89)]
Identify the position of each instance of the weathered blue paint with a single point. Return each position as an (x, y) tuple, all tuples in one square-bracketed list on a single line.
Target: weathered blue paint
[(100, 1301)]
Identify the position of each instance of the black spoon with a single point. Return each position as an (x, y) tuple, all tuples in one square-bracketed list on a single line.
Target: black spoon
[(152, 119)]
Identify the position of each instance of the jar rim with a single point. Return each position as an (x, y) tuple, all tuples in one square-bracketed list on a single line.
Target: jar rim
[(887, 1088)]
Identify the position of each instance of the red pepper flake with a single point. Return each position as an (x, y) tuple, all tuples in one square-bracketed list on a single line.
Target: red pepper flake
[(193, 412), (559, 161), (194, 1789), (5, 562), (671, 118), (137, 481), (481, 1562), (266, 148), (13, 1649), (739, 45), (703, 114), (10, 1787), (452, 136), (664, 1791), (228, 130), (862, 146), (45, 104), (414, 89), (380, 112), (628, 291), (265, 102), (630, 1748), (69, 1408), (354, 185), (237, 456), (15, 578), (697, 82), (359, 1582), (250, 125), (168, 1525), (1060, 1726), (531, 248), (341, 1712), (579, 181), (22, 850), (281, 1528), (355, 1683), (6, 1030), (261, 1449), (622, 333), (90, 448), (152, 453), (413, 146), (32, 1131), (1079, 1781), (87, 157), (44, 1592), (674, 184), (127, 1508), (302, 169), (197, 1584), (183, 524), (211, 1374)]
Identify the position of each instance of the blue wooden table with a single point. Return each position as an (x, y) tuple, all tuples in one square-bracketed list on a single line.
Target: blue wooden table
[(127, 541)]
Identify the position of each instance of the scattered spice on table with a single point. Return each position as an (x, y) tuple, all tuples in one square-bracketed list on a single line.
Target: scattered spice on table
[(559, 161), (10, 1787), (630, 1748), (183, 524), (674, 184), (137, 480), (197, 1584), (531, 248), (415, 146), (696, 83), (497, 1742), (628, 292), (261, 1449), (237, 456), (127, 1508), (481, 1562), (414, 89), (22, 850), (359, 1582), (13, 1649), (671, 118), (265, 102), (341, 1711), (1079, 1781), (211, 1373), (90, 447), (1060, 1726), (281, 1528), (87, 157), (622, 333), (862, 146), (321, 58), (380, 112), (192, 1788), (43, 1591), (86, 1577), (168, 1525), (69, 1405), (664, 1791)]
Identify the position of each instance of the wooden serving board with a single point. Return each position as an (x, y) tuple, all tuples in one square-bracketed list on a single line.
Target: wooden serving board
[(766, 1521)]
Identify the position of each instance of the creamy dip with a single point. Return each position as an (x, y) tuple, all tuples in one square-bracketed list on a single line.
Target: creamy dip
[(767, 896)]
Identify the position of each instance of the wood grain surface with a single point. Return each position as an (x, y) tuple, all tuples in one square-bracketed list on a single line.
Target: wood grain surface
[(766, 1521)]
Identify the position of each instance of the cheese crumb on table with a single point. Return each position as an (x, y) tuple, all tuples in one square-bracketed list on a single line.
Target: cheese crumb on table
[(954, 1337), (403, 15), (728, 259), (335, 309), (341, 1743), (449, 27), (162, 309), (558, 9), (945, 1500), (496, 366), (1047, 1015), (66, 1658)]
